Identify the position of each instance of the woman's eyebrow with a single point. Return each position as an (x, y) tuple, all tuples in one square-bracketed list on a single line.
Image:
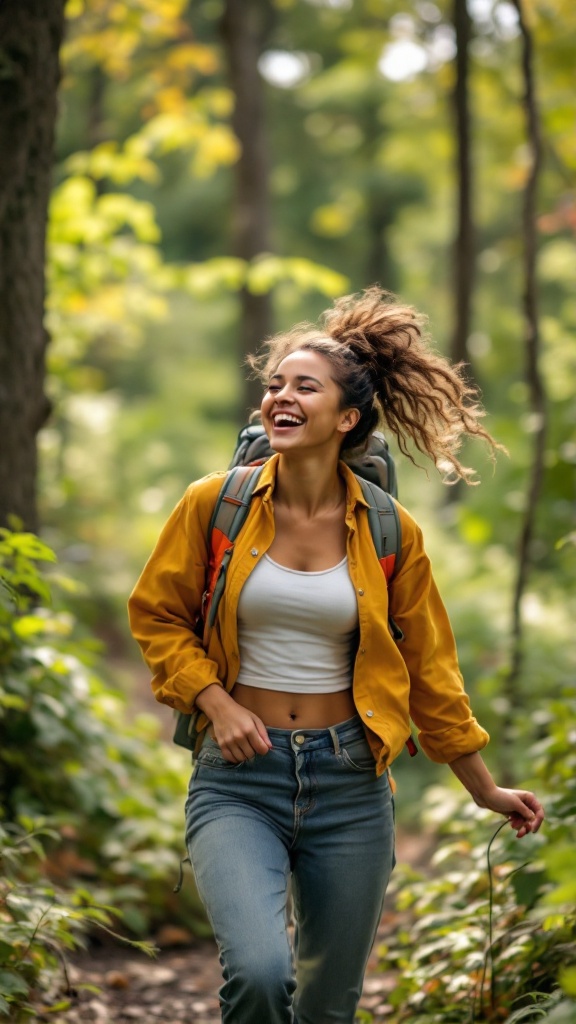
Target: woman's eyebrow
[(300, 377)]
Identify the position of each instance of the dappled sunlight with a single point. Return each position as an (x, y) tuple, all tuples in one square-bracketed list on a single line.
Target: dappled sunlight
[(192, 209)]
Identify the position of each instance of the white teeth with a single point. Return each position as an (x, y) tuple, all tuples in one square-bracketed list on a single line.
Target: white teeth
[(287, 419)]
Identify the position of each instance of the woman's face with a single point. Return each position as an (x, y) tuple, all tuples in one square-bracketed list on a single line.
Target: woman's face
[(302, 405)]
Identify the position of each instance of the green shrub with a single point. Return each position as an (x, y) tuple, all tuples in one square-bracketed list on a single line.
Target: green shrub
[(39, 922), (112, 789), (500, 945)]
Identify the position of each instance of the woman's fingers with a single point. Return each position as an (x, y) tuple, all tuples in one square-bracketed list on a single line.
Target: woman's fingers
[(526, 813), (522, 809), (243, 738)]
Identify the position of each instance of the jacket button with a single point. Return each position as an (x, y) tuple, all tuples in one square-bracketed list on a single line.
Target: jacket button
[(254, 552), (362, 650), (369, 714), (361, 592)]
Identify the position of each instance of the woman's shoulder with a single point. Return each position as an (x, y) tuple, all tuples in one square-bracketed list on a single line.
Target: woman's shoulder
[(197, 502), (407, 520), (205, 486), (201, 494)]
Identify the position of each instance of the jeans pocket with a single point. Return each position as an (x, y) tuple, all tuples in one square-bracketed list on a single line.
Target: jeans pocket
[(210, 756), (357, 755)]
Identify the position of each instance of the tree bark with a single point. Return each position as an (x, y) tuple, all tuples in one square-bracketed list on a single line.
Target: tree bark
[(245, 28), (31, 32), (379, 267), (532, 375), (463, 256)]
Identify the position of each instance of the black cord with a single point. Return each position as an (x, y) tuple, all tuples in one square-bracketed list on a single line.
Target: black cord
[(488, 957)]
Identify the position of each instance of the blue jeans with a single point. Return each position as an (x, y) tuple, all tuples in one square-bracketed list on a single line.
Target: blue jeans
[(311, 810)]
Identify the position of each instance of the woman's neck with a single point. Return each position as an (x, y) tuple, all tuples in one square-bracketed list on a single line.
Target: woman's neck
[(309, 485)]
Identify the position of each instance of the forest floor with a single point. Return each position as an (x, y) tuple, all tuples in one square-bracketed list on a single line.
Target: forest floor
[(119, 985)]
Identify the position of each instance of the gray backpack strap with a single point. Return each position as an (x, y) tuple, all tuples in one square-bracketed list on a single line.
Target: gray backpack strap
[(386, 531), (228, 518), (384, 523), (229, 515), (233, 502)]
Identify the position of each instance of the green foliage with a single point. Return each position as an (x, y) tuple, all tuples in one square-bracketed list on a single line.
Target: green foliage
[(39, 924), (142, 282), (144, 374), (476, 944), (112, 790)]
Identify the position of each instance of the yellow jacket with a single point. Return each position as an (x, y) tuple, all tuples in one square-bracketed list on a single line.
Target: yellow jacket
[(418, 678)]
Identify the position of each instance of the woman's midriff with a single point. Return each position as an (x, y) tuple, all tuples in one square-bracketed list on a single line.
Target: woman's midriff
[(281, 710)]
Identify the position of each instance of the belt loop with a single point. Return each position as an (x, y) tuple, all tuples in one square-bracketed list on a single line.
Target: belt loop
[(335, 739)]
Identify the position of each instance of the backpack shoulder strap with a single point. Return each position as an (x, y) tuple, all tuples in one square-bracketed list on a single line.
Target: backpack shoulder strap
[(385, 527), (233, 501), (386, 531), (228, 518)]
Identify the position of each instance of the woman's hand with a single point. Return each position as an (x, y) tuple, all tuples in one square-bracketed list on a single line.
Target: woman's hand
[(522, 808), (239, 733)]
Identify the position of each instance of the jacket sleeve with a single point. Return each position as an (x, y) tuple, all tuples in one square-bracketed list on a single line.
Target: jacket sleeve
[(439, 705), (166, 601)]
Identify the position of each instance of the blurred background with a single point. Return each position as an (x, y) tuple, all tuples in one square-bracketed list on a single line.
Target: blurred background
[(221, 170)]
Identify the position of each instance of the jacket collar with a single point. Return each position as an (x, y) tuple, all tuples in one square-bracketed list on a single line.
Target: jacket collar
[(267, 482)]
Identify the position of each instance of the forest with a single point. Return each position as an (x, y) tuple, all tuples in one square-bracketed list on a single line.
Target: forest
[(177, 181)]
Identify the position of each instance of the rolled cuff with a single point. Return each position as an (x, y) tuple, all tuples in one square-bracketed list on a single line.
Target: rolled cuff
[(448, 744), (180, 692)]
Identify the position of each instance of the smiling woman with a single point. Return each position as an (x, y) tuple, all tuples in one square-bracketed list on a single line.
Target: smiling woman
[(303, 402), (304, 694)]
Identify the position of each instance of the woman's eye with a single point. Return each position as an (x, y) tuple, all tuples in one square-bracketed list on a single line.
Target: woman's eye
[(272, 388)]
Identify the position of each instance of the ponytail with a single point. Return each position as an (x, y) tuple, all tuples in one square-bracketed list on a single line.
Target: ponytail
[(384, 362)]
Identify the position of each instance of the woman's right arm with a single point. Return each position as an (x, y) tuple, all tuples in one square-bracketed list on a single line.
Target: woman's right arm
[(166, 601), (163, 609)]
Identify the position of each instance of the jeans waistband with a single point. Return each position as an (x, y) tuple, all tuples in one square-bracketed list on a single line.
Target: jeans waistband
[(317, 739)]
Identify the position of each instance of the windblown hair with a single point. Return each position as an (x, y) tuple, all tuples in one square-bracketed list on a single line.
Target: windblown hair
[(384, 362)]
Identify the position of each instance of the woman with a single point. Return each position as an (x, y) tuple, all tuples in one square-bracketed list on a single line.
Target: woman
[(304, 692)]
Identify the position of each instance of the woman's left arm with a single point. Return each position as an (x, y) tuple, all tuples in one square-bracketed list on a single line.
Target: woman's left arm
[(522, 808)]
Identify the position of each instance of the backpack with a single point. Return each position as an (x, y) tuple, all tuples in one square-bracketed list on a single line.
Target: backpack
[(375, 464), (376, 473)]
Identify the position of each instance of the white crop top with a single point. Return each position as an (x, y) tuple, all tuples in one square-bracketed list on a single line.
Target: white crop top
[(297, 631)]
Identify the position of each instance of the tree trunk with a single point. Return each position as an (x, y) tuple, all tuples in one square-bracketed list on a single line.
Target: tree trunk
[(31, 32), (534, 381), (464, 242), (245, 27), (379, 267)]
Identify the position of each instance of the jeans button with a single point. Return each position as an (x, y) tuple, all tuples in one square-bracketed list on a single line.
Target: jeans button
[(299, 739)]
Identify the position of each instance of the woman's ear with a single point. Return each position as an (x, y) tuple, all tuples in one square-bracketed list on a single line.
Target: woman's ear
[(348, 420)]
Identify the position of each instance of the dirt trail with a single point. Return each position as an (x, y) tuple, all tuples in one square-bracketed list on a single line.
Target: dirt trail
[(181, 985)]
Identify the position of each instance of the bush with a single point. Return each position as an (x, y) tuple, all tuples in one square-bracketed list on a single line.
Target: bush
[(38, 922), (112, 789), (91, 826), (481, 945)]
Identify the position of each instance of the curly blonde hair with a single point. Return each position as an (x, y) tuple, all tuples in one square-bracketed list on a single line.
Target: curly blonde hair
[(384, 362)]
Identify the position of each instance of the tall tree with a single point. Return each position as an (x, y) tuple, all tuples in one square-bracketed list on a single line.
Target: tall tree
[(534, 379), (31, 33), (464, 242), (246, 26)]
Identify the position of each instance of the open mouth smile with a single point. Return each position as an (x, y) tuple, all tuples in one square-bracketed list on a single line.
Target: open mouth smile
[(282, 420)]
